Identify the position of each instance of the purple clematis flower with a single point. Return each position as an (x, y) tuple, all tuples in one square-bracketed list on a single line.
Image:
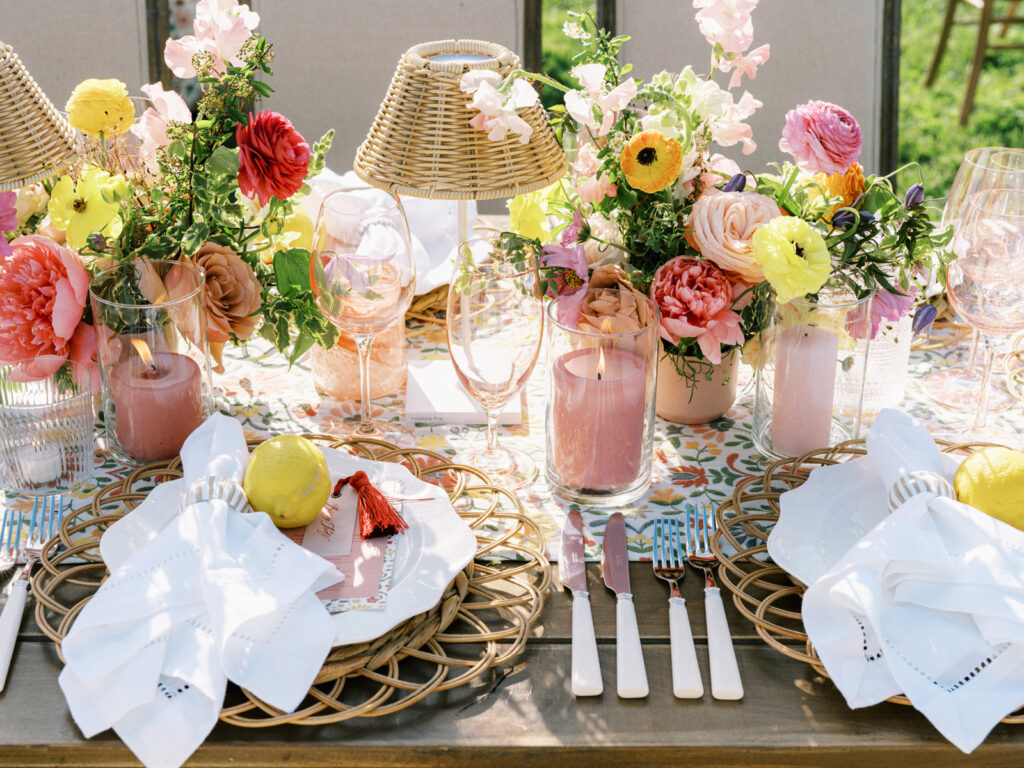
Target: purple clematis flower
[(915, 196), (923, 319), (566, 257), (736, 184)]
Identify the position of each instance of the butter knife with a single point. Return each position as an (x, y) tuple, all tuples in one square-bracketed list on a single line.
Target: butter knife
[(586, 670), (631, 676)]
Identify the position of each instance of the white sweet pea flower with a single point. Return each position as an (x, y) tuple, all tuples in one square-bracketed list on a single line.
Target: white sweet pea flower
[(592, 108), (497, 104)]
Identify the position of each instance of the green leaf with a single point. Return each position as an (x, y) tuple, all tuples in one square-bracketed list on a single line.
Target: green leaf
[(304, 342), (291, 271), (223, 162), (194, 238)]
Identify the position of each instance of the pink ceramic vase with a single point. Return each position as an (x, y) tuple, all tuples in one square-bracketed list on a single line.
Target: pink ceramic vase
[(677, 401)]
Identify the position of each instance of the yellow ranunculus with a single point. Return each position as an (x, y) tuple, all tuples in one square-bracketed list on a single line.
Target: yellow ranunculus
[(79, 208), (793, 256), (100, 108)]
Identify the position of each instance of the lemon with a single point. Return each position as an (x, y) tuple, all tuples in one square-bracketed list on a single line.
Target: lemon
[(992, 480), (287, 478)]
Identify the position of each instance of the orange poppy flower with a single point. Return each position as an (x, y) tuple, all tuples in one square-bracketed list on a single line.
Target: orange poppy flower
[(651, 161)]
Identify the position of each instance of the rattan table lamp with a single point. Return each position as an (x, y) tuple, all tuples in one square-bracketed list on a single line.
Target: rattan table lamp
[(421, 143), (35, 141)]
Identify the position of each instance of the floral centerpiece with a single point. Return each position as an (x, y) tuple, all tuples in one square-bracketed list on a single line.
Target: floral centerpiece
[(218, 189), (652, 201)]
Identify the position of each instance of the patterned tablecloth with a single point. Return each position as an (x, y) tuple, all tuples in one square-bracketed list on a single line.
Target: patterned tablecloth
[(691, 463)]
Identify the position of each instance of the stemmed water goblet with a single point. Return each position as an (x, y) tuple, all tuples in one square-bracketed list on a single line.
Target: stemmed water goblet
[(982, 168), (362, 273), (495, 322), (985, 284)]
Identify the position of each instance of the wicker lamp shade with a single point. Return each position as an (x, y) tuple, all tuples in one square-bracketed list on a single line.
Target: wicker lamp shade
[(35, 141), (421, 143)]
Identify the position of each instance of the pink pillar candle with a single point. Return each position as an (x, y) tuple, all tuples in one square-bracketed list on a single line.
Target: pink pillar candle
[(805, 382), (597, 422), (154, 411)]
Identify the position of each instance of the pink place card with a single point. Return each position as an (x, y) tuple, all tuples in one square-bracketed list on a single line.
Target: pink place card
[(365, 564)]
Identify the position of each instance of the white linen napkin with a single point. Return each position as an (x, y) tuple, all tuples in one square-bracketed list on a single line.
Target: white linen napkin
[(929, 603), (201, 591)]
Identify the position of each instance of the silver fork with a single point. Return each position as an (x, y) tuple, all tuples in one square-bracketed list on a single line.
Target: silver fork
[(670, 565), (47, 515), (725, 674)]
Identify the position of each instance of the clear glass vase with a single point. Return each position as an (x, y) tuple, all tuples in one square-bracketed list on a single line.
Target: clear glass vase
[(809, 381)]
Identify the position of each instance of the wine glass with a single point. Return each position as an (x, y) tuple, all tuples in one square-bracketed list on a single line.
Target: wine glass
[(362, 273), (982, 168), (985, 284), (495, 323)]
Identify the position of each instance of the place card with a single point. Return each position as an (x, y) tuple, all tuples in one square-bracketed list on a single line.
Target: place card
[(434, 395)]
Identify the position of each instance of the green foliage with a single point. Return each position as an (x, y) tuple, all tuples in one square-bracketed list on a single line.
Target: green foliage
[(929, 131)]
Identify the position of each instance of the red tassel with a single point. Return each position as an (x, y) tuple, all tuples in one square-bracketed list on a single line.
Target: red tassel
[(376, 515)]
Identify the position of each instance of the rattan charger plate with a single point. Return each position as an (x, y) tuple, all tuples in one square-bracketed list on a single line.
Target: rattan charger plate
[(482, 620), (763, 592)]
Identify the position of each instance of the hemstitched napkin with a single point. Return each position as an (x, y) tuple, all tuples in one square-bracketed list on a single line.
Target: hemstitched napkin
[(195, 598), (929, 603)]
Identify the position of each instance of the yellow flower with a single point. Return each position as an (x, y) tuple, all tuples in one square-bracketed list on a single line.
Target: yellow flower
[(527, 217), (100, 108), (847, 187), (297, 232), (793, 256), (88, 205), (651, 161)]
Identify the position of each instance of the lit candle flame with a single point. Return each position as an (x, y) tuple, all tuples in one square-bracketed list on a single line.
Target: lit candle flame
[(600, 364), (143, 349)]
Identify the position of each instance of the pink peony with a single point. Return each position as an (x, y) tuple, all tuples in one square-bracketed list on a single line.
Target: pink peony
[(43, 292), (723, 224), (272, 157), (821, 137), (696, 299)]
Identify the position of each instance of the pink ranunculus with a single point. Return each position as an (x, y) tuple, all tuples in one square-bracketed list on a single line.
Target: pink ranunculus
[(821, 137), (151, 127), (723, 225), (696, 300), (272, 157), (43, 292)]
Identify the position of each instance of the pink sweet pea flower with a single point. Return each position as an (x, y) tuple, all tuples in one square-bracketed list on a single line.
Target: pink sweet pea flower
[(151, 127), (696, 300), (221, 28), (730, 128), (726, 23), (8, 219), (591, 187), (745, 64), (497, 110), (592, 101)]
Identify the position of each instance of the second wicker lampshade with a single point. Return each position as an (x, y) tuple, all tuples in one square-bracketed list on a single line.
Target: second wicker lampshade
[(421, 143), (35, 141)]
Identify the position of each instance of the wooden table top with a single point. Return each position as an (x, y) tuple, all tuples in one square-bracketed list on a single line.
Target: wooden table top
[(524, 715)]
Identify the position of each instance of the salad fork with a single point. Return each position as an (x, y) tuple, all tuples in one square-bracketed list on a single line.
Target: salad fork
[(725, 674), (46, 518), (670, 566)]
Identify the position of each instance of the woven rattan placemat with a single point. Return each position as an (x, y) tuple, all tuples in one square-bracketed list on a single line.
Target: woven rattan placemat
[(482, 620)]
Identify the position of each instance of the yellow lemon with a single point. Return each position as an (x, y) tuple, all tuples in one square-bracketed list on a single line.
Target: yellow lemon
[(287, 478), (992, 480)]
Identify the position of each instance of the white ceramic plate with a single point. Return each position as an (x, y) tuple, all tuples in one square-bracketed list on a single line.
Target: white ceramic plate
[(437, 545)]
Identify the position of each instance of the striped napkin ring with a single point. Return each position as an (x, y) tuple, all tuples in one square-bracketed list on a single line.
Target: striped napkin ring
[(210, 488), (913, 483)]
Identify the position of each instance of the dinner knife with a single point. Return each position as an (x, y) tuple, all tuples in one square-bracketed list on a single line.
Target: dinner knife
[(586, 670), (631, 676)]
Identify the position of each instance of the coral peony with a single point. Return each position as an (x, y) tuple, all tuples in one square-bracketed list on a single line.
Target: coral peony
[(272, 157), (696, 299), (821, 137), (723, 224), (43, 292)]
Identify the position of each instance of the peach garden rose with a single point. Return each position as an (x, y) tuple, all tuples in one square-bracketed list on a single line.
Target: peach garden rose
[(723, 225)]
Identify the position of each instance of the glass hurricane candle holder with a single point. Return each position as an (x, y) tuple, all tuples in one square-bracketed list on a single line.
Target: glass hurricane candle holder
[(153, 352), (600, 405), (809, 380)]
